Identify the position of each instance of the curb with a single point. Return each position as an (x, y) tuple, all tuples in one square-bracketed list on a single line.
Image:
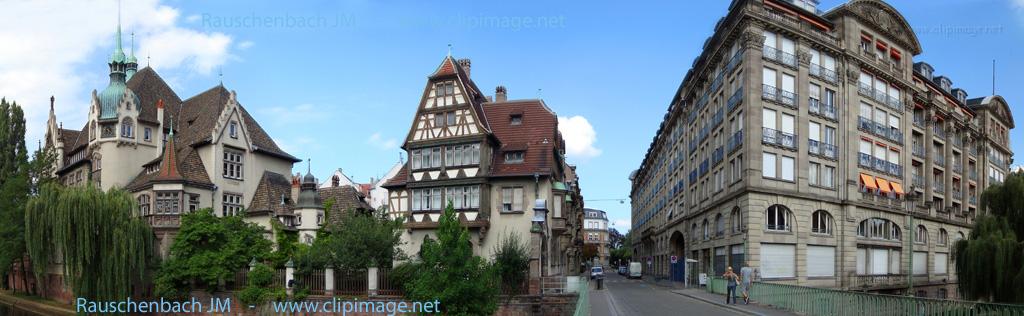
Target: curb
[(733, 308)]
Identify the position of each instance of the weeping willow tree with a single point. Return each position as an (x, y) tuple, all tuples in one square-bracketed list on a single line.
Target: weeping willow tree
[(104, 248), (990, 262)]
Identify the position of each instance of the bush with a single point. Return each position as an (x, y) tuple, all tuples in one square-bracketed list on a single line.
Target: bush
[(512, 261), (404, 273)]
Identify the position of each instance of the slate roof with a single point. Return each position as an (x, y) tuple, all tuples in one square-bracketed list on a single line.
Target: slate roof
[(537, 136), (269, 192), (149, 87), (345, 198)]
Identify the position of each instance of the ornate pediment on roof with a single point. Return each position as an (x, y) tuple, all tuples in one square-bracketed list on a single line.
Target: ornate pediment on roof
[(886, 20)]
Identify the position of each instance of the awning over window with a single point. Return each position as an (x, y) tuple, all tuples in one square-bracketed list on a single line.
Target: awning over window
[(868, 181), (896, 187), (883, 185)]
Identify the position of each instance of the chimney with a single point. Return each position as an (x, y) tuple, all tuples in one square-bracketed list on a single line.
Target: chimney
[(295, 186), (335, 181), (465, 64), (500, 94)]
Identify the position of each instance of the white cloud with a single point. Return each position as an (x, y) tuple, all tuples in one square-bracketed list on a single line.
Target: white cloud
[(621, 224), (376, 140), (579, 137), (245, 44), (63, 46), (295, 115)]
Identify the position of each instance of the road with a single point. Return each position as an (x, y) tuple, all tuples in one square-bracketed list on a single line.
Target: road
[(622, 296)]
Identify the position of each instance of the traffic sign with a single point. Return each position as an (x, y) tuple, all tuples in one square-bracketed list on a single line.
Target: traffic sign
[(674, 259)]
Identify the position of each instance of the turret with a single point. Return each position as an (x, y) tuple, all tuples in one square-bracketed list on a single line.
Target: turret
[(131, 63)]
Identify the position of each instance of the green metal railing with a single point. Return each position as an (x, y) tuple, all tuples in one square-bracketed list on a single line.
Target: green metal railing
[(814, 301), (583, 300)]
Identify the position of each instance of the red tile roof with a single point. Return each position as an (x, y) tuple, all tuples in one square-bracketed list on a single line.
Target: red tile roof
[(537, 135)]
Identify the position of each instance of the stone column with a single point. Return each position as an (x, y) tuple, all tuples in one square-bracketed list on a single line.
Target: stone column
[(289, 276), (372, 284), (535, 264), (329, 280)]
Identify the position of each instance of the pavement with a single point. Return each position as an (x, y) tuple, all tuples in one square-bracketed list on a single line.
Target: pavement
[(621, 296)]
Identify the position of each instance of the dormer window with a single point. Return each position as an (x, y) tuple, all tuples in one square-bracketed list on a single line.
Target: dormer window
[(126, 128), (233, 129), (516, 119), (514, 156), (147, 134)]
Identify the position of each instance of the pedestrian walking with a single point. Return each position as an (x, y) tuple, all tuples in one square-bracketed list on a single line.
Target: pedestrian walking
[(746, 280), (731, 281)]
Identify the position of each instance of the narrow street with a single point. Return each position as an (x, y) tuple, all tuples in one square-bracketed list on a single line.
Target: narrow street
[(622, 296)]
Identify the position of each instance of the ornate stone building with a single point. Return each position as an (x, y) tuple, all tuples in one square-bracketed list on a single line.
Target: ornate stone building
[(497, 161), (811, 146)]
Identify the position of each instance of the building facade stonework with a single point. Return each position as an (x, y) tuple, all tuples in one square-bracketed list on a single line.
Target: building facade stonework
[(595, 228), (809, 145)]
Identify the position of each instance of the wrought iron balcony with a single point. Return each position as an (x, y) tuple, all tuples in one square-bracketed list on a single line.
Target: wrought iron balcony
[(734, 61), (972, 199), (918, 180), (789, 99), (880, 96), (894, 103), (824, 74), (972, 174), (770, 93), (735, 100), (864, 160), (864, 90), (816, 107), (824, 150), (918, 150), (957, 194), (865, 124), (919, 120), (939, 131), (879, 164), (940, 160), (778, 56), (957, 167), (778, 138), (895, 169), (735, 141), (940, 187), (717, 156)]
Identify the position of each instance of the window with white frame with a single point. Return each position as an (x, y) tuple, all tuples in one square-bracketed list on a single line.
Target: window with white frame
[(514, 156), (943, 237), (426, 158), (787, 168), (821, 222), (463, 197), (878, 228), (768, 169), (193, 202), (231, 205), (737, 220), (706, 229), (428, 199), (127, 127), (512, 199), (777, 218), (144, 204), (813, 170), (147, 134), (921, 237), (233, 129), (233, 164), (461, 155)]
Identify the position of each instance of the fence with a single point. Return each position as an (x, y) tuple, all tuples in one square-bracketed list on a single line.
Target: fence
[(583, 300), (815, 301), (314, 282), (353, 283), (387, 286)]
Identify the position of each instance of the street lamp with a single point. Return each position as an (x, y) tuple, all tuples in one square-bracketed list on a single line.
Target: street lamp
[(540, 215), (911, 200)]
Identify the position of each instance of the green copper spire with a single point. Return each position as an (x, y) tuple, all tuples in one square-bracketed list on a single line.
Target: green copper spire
[(118, 55)]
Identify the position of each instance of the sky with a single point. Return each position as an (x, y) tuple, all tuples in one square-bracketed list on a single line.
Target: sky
[(339, 82)]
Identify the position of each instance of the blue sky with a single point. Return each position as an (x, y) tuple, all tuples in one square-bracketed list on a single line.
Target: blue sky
[(342, 86)]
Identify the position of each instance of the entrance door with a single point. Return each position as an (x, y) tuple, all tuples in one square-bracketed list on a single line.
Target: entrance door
[(679, 270)]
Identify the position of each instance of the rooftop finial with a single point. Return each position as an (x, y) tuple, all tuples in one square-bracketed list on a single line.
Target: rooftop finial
[(309, 165), (220, 73), (449, 49)]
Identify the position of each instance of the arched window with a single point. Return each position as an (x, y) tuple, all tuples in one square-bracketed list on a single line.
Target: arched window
[(878, 228), (921, 236), (144, 204), (777, 218), (959, 236), (943, 237), (719, 225), (694, 233), (126, 127), (737, 220), (821, 222), (706, 229)]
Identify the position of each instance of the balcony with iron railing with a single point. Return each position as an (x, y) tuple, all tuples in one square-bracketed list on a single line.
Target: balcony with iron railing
[(894, 103), (735, 141), (822, 73), (774, 54), (894, 169), (957, 194), (735, 100), (940, 187), (918, 180), (919, 120), (823, 150), (939, 131), (789, 99), (717, 156), (864, 160), (778, 138), (770, 93), (818, 108), (864, 90), (734, 61), (918, 150), (940, 160), (972, 199), (957, 167), (972, 174)]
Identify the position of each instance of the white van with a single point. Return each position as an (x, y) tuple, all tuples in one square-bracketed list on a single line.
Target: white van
[(635, 270)]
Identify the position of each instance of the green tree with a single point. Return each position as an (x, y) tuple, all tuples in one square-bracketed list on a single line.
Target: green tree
[(512, 261), (989, 262), (15, 186), (209, 249), (359, 240), (104, 247), (464, 283)]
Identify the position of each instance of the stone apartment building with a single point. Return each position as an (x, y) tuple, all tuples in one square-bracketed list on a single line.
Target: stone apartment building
[(500, 162), (595, 226), (811, 146), (176, 156)]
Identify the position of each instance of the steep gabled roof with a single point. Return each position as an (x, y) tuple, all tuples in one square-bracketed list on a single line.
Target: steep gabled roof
[(400, 178), (537, 136), (345, 198), (474, 96), (198, 117), (169, 164), (150, 88), (272, 188)]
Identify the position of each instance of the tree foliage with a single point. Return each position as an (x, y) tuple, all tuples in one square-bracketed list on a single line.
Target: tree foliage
[(105, 249), (450, 273), (358, 241), (208, 249), (989, 262), (15, 185), (512, 261)]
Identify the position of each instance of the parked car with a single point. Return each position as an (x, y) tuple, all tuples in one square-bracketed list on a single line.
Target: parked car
[(623, 270), (635, 270), (596, 272)]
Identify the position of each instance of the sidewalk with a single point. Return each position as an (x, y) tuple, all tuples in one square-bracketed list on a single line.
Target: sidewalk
[(35, 305), (752, 309)]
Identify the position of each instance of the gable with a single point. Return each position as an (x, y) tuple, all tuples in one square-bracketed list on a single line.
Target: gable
[(884, 19), (449, 106)]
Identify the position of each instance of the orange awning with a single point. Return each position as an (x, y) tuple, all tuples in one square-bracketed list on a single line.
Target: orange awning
[(869, 181), (883, 185), (896, 187)]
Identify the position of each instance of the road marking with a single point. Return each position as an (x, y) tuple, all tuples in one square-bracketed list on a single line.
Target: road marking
[(612, 306)]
